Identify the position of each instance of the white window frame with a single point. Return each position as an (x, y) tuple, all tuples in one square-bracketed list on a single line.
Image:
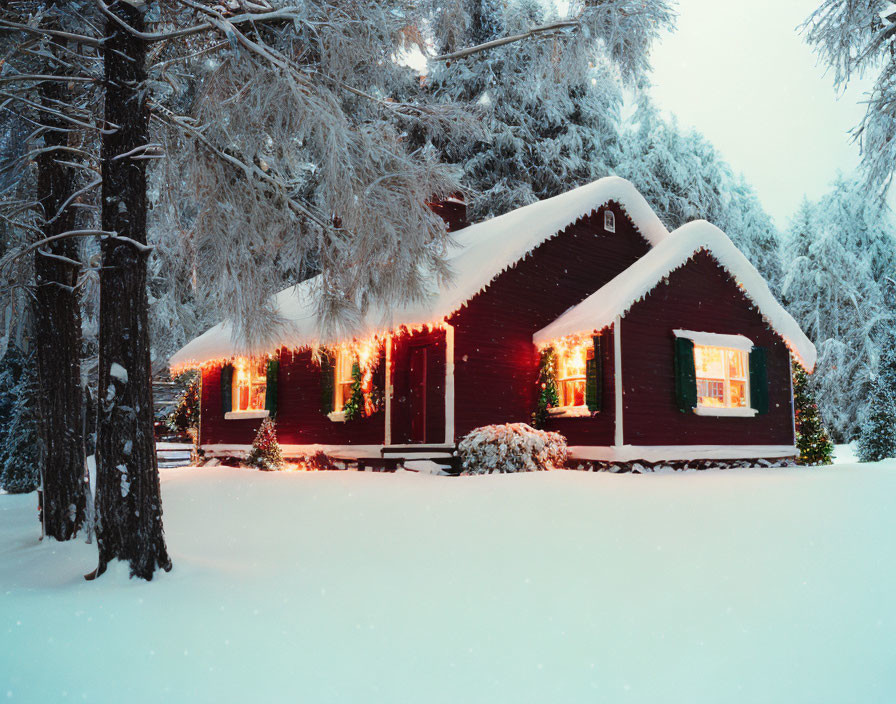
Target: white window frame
[(609, 220), (738, 343)]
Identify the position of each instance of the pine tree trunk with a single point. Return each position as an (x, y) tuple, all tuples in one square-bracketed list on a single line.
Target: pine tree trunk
[(129, 502), (57, 335)]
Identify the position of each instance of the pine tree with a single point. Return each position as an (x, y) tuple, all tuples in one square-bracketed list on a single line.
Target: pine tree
[(185, 415), (550, 105), (812, 439), (877, 436), (840, 253), (266, 453), (20, 448)]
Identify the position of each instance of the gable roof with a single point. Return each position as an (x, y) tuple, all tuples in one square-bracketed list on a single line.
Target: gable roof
[(617, 296), (482, 252)]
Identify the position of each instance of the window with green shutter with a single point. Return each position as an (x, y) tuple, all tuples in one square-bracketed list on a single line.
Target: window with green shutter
[(685, 375), (594, 376), (270, 392)]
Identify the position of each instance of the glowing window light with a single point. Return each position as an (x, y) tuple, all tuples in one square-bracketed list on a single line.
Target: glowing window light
[(722, 376), (249, 383)]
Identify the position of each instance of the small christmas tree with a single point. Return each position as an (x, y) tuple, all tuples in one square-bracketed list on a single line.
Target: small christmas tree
[(547, 386), (354, 407), (265, 453), (811, 438), (185, 416)]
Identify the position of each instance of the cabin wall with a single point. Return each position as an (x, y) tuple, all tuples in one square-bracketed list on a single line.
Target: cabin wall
[(495, 362), (299, 418), (700, 296)]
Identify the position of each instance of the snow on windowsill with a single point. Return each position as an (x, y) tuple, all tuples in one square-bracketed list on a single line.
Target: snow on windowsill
[(569, 412), (714, 339), (246, 415), (337, 416), (716, 411)]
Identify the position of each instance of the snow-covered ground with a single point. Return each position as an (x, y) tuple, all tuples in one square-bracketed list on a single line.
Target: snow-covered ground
[(716, 586)]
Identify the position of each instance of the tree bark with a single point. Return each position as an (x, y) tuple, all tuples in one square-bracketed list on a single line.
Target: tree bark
[(57, 335), (129, 502)]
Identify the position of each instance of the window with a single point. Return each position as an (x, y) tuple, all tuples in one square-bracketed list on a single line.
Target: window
[(249, 384), (343, 380), (722, 380), (571, 363), (609, 220)]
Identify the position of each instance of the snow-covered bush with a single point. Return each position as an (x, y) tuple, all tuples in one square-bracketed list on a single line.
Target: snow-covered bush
[(511, 447)]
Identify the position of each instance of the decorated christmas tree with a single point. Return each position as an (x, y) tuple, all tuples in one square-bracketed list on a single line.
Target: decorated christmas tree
[(811, 438), (265, 453), (547, 386), (185, 416), (354, 407)]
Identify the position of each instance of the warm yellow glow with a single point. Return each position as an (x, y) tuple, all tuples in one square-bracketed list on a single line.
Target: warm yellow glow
[(249, 383), (721, 377), (572, 355)]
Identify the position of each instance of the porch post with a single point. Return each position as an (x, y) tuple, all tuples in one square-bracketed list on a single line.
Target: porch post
[(388, 438), (617, 378)]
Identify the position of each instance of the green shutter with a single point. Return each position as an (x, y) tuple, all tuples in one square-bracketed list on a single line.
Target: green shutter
[(270, 391), (227, 388), (685, 375), (327, 381), (758, 380), (594, 378)]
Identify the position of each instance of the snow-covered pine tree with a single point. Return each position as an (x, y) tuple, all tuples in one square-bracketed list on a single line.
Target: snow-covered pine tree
[(679, 172), (550, 104), (840, 253), (19, 437), (751, 228), (877, 434), (682, 175), (854, 38), (266, 453), (812, 439)]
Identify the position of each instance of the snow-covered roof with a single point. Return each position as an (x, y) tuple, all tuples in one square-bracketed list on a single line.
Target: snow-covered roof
[(616, 297), (483, 251)]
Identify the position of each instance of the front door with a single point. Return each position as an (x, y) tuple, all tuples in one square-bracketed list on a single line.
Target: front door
[(418, 392)]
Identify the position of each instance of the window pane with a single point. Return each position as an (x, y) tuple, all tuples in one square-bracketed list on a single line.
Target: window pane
[(711, 392), (736, 364), (738, 394), (709, 362), (257, 397)]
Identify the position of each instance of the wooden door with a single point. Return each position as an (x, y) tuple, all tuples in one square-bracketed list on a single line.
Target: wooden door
[(417, 368), (418, 396)]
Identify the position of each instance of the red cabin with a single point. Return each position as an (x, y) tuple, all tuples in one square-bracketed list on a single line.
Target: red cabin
[(581, 311)]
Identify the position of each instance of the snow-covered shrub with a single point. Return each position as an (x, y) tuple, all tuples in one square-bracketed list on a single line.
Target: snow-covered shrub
[(511, 447), (265, 453)]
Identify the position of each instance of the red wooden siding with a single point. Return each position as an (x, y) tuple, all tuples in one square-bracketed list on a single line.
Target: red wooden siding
[(495, 362), (699, 296), (299, 418)]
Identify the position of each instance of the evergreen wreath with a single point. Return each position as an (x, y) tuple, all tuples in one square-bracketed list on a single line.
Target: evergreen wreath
[(354, 407)]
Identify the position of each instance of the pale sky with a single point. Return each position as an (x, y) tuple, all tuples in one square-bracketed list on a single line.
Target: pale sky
[(742, 75)]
